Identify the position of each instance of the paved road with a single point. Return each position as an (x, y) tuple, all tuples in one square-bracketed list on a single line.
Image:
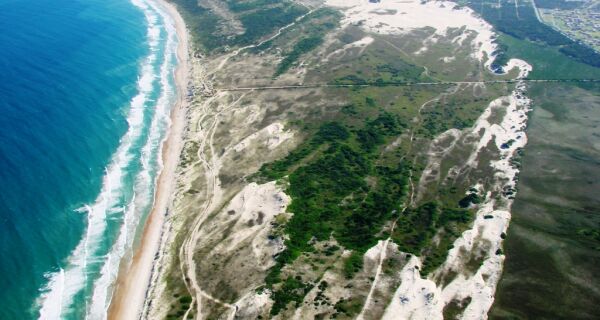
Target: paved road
[(395, 84)]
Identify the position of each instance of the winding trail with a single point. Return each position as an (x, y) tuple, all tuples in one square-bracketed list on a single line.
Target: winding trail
[(277, 34), (212, 166), (409, 203)]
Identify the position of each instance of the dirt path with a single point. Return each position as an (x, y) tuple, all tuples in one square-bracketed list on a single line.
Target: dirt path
[(212, 166), (277, 34), (409, 203)]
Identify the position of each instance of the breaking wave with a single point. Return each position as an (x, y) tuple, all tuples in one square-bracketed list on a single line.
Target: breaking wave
[(84, 285)]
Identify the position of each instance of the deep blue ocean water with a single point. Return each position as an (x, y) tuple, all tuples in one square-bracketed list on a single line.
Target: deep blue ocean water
[(85, 92)]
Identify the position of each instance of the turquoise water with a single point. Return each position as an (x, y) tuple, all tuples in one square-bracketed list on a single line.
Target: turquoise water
[(85, 92)]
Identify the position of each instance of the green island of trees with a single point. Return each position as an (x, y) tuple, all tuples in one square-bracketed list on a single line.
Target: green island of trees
[(339, 190)]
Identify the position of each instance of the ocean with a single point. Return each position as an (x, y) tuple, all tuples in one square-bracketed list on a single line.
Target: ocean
[(86, 88)]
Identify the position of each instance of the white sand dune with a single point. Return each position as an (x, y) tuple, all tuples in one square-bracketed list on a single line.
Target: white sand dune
[(419, 298), (403, 16)]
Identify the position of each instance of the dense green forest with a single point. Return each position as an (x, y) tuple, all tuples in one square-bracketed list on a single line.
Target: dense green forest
[(339, 189), (331, 196)]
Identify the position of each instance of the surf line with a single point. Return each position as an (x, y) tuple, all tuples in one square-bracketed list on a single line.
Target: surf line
[(92, 267)]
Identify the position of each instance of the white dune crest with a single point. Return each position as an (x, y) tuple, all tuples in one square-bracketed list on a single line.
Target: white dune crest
[(403, 16), (422, 298)]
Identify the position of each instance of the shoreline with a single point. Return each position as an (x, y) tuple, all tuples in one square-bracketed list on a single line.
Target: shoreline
[(133, 280)]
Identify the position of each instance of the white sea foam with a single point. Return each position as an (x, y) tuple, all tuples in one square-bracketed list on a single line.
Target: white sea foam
[(145, 179), (62, 286)]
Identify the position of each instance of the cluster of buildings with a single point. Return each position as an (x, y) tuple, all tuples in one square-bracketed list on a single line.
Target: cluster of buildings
[(580, 24)]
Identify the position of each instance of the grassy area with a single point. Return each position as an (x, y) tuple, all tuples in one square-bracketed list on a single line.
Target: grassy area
[(417, 227), (549, 246), (457, 113), (521, 22), (258, 18), (240, 6), (372, 68), (303, 46), (547, 62), (340, 192), (260, 22)]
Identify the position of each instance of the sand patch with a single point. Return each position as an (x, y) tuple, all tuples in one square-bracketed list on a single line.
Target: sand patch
[(474, 265), (272, 136), (401, 16)]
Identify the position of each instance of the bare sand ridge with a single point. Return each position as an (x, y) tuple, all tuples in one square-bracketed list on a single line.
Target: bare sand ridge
[(401, 16), (229, 225), (134, 279)]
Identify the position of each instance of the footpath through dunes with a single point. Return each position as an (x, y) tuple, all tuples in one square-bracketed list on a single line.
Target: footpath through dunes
[(378, 184)]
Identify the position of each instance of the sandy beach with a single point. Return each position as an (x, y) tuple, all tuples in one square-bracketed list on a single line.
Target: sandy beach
[(134, 279)]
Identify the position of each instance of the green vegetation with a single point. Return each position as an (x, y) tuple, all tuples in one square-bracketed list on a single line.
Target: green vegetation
[(259, 18), (348, 307), (378, 64), (240, 6), (340, 188), (202, 24), (375, 131), (547, 62), (292, 290), (328, 132), (417, 226), (521, 22), (261, 22), (380, 73), (353, 264), (179, 307), (455, 308), (303, 46), (459, 110), (471, 198), (345, 184), (339, 191), (316, 25)]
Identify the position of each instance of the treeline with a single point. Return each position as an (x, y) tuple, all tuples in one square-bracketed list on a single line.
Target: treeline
[(259, 19), (331, 197), (417, 227), (321, 22), (526, 26), (558, 4), (301, 47)]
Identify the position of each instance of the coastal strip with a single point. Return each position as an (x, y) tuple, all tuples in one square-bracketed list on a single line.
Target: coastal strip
[(134, 279)]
